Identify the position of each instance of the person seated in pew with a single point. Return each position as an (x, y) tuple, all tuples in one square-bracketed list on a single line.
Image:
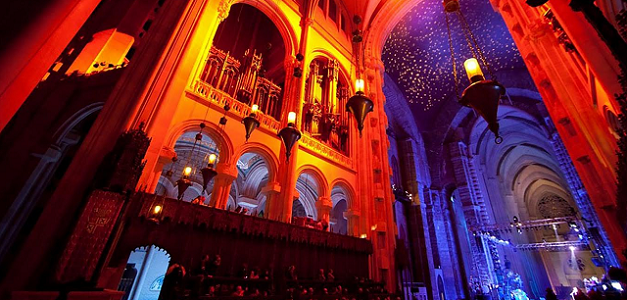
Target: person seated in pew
[(254, 273), (321, 275), (330, 276), (291, 273), (212, 269), (238, 292), (211, 291)]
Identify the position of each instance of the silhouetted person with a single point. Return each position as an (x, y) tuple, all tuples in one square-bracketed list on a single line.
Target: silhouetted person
[(172, 282), (291, 273), (321, 275), (330, 276), (550, 295), (212, 269)]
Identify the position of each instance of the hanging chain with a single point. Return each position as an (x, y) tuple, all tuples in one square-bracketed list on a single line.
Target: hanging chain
[(465, 31), (450, 44), (480, 54)]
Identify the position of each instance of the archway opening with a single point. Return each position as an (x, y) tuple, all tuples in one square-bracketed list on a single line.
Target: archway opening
[(337, 221), (189, 155), (247, 59), (304, 206), (144, 273), (246, 193), (326, 93)]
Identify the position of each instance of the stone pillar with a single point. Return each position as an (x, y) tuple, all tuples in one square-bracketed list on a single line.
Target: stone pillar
[(222, 185), (272, 191), (165, 158), (353, 222), (324, 206), (39, 41)]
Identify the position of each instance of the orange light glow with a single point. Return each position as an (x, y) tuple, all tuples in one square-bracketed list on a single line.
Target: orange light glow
[(212, 158), (187, 171), (254, 109), (359, 85), (291, 117), (473, 70), (157, 209)]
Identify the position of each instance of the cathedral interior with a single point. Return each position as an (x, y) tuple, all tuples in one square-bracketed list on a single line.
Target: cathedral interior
[(313, 149)]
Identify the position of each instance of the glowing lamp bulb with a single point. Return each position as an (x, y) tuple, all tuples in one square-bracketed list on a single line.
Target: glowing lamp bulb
[(212, 158), (473, 70), (187, 171), (572, 248), (157, 209), (254, 109), (359, 85), (291, 118), (363, 236)]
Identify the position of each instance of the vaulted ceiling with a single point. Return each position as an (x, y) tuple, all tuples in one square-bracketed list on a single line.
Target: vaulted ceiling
[(416, 55)]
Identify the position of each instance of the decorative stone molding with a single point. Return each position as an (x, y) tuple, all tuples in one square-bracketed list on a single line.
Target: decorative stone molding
[(219, 98), (326, 151), (223, 9)]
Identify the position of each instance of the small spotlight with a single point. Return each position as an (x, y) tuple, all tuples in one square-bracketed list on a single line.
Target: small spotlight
[(572, 248)]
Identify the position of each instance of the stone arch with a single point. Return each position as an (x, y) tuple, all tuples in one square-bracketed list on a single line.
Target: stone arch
[(281, 22), (344, 73), (480, 136), (216, 133), (347, 189), (76, 118), (316, 173), (272, 162), (386, 17)]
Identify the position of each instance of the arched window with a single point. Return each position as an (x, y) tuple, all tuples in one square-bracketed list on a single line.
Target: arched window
[(333, 10)]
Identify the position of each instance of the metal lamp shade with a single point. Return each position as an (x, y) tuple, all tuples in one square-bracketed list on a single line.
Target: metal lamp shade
[(483, 97), (207, 174), (182, 185), (250, 124), (359, 105), (289, 135)]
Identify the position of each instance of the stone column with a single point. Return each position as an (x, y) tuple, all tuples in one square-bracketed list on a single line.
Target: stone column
[(42, 37), (222, 185), (165, 158), (272, 191), (353, 222), (324, 206)]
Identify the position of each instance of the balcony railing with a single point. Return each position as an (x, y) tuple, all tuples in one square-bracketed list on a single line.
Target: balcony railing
[(220, 98), (325, 150), (181, 212)]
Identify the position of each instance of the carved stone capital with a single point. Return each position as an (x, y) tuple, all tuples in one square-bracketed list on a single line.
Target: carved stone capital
[(223, 9)]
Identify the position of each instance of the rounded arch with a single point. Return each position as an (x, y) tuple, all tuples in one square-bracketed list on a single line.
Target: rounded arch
[(272, 162), (75, 119), (386, 17), (319, 53), (347, 189), (280, 20), (481, 137), (217, 134), (318, 175)]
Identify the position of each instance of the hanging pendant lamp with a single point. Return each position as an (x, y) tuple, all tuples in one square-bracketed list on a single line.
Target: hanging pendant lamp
[(481, 95), (208, 172), (359, 105), (289, 135), (251, 123), (184, 182)]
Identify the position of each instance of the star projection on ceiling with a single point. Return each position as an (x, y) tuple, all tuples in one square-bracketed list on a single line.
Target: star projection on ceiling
[(417, 56)]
